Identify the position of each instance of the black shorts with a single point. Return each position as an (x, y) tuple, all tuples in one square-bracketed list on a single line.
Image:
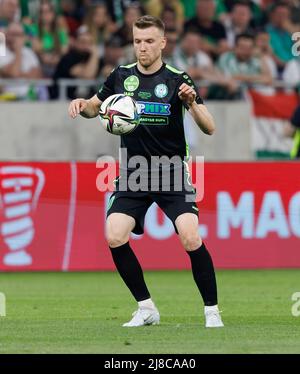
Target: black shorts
[(136, 204)]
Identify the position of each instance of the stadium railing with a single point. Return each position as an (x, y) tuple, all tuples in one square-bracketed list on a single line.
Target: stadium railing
[(64, 84)]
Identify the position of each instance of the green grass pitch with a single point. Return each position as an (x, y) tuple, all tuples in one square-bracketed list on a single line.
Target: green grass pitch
[(83, 313)]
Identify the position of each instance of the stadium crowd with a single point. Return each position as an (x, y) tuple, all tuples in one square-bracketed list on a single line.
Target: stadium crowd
[(225, 44)]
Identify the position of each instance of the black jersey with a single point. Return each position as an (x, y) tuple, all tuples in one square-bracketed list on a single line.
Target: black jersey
[(161, 131)]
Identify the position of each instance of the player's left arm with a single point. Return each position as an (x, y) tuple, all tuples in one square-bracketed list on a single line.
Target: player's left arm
[(199, 112)]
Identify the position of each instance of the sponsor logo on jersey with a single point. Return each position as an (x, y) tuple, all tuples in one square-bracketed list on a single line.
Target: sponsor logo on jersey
[(161, 90), (144, 95), (131, 83), (153, 108), (128, 93)]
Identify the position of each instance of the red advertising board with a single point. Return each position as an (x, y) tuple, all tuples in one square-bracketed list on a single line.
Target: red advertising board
[(52, 218)]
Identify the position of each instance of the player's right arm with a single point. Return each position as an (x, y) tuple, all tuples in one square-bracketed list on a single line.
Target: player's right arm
[(86, 108), (90, 108)]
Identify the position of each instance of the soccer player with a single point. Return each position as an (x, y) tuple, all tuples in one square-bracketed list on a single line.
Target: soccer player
[(163, 92)]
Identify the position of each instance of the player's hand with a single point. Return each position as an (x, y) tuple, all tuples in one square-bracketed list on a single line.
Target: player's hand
[(187, 94), (76, 107)]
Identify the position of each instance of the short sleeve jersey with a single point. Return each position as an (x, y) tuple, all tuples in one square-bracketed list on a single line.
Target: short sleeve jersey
[(161, 131)]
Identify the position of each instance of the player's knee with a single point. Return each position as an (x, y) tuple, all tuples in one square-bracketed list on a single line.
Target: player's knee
[(116, 238), (191, 241), (115, 241)]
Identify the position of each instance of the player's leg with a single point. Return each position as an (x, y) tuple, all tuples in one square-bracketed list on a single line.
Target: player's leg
[(118, 229), (184, 215), (202, 266)]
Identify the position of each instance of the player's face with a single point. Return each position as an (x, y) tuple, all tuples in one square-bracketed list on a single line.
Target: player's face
[(148, 45)]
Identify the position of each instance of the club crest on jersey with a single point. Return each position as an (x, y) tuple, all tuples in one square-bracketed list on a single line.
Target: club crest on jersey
[(161, 90), (154, 108), (131, 83)]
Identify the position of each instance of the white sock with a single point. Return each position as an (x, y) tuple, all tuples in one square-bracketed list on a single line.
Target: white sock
[(146, 304), (213, 308)]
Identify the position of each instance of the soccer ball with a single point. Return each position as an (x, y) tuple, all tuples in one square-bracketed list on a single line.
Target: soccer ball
[(119, 114)]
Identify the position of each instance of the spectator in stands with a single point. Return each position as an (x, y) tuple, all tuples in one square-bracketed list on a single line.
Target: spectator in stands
[(49, 37), (132, 13), (243, 66), (157, 8), (99, 24), (190, 58), (280, 38), (263, 50), (112, 57), (19, 62), (172, 37), (225, 7), (9, 12), (30, 8), (82, 62), (238, 21), (73, 15), (117, 9), (213, 32), (293, 23), (169, 18)]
